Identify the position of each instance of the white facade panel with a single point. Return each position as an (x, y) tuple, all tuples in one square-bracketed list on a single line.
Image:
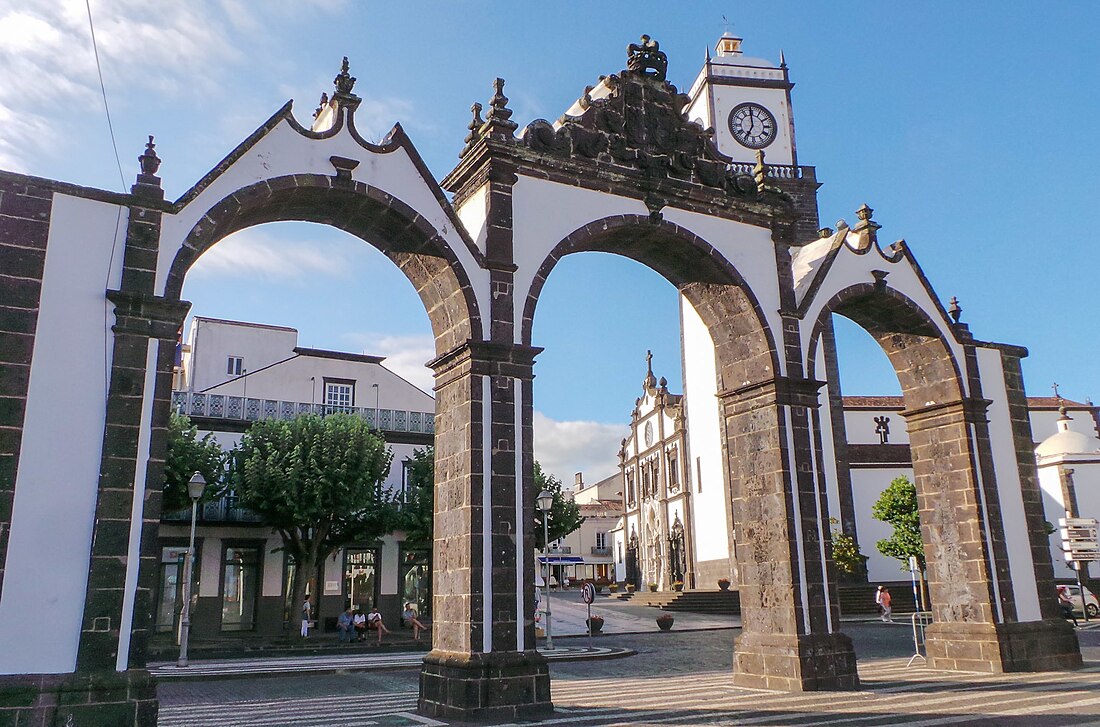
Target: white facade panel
[(867, 486), (46, 571)]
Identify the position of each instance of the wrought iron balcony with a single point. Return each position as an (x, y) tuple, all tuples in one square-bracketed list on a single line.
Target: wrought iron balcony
[(222, 510), (242, 409), (597, 550)]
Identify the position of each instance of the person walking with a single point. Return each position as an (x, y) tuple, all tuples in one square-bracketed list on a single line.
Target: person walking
[(1066, 604), (878, 600), (884, 601), (307, 614)]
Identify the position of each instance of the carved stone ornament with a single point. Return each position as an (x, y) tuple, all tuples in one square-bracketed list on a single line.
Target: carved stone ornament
[(150, 162), (639, 123), (344, 81), (645, 57)]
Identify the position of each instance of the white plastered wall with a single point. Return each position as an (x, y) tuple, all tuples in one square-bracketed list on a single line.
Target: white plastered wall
[(708, 479), (284, 151), (46, 571)]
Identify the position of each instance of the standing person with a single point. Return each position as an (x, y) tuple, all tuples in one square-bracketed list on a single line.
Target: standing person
[(344, 626), (878, 600), (885, 600), (408, 617), (307, 614), (374, 621)]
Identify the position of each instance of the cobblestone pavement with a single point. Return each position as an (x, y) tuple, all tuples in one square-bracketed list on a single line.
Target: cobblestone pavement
[(676, 678)]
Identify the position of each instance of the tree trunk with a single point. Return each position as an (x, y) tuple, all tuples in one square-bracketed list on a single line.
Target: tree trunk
[(305, 564)]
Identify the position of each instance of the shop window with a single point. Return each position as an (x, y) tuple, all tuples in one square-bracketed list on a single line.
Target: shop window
[(416, 580), (361, 579), (170, 598)]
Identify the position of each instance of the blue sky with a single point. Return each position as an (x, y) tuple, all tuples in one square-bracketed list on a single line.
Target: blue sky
[(969, 127)]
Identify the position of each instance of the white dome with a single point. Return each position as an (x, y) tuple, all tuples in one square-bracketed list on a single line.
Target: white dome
[(1068, 442)]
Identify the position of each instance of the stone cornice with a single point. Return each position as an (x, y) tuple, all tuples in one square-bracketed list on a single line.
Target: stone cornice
[(148, 315)]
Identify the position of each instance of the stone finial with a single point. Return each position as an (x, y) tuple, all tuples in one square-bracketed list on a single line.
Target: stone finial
[(954, 309), (760, 171), (148, 183), (647, 56), (150, 162), (321, 105), (782, 59), (344, 82), (474, 127), (825, 232), (498, 121), (866, 224)]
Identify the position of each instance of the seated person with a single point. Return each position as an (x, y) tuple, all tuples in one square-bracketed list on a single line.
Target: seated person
[(374, 621), (409, 620), (359, 621), (344, 627)]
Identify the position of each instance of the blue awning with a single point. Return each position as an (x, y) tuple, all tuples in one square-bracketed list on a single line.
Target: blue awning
[(562, 559)]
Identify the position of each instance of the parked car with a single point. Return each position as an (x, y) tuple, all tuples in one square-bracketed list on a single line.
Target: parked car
[(1091, 602)]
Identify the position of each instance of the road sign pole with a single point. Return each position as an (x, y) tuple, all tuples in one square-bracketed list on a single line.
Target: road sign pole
[(1081, 588), (590, 625)]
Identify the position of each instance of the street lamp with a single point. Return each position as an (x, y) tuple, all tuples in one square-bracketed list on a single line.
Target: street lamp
[(544, 501), (195, 487), (376, 424)]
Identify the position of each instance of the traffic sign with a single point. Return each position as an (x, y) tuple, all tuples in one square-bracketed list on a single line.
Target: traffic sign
[(1080, 541), (588, 593)]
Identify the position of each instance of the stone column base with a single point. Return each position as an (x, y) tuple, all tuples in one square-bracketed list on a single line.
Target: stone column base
[(97, 699), (795, 663), (499, 686), (1049, 645)]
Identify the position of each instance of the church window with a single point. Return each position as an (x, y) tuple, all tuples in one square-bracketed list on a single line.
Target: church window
[(630, 488), (673, 471)]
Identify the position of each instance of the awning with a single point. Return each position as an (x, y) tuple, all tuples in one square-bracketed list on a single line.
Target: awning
[(562, 559)]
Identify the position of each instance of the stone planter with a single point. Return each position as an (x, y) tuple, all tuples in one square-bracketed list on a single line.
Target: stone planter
[(595, 624), (677, 586), (664, 621), (652, 587), (724, 584), (629, 587), (613, 588)]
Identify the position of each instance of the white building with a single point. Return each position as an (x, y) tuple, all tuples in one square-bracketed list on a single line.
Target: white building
[(587, 553), (232, 373)]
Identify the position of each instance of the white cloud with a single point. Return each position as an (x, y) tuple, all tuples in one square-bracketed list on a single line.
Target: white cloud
[(253, 253), (405, 355), (565, 448)]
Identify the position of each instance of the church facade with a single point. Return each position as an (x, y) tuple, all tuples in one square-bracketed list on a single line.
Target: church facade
[(627, 170)]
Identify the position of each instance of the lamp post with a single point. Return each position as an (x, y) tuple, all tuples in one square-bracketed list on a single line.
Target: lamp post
[(544, 501), (195, 487), (376, 423)]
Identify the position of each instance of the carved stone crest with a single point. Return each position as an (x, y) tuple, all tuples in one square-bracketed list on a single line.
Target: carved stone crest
[(645, 57)]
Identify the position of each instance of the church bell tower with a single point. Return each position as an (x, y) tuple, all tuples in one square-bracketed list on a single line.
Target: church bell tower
[(747, 101)]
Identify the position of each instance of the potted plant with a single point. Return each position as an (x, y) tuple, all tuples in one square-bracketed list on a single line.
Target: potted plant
[(613, 587), (677, 585), (724, 584), (653, 587), (595, 624), (629, 587), (664, 621)]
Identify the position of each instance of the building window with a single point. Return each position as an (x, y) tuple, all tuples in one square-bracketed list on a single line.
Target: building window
[(601, 540), (630, 494), (673, 471), (170, 601), (339, 394), (361, 578), (240, 588), (234, 366)]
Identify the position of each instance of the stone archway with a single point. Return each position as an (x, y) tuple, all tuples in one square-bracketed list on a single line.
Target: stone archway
[(793, 631), (976, 625)]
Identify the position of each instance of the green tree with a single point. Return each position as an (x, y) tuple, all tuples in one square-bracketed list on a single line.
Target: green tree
[(846, 555), (318, 481), (187, 454), (418, 510), (897, 505), (565, 514)]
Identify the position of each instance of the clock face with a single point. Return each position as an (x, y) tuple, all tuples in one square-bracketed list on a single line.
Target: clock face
[(753, 125), (649, 434)]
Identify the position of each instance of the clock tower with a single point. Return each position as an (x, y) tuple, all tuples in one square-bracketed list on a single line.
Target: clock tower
[(747, 101)]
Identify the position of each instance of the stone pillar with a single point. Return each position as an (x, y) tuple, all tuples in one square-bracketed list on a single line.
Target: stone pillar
[(790, 639), (975, 627), (484, 665)]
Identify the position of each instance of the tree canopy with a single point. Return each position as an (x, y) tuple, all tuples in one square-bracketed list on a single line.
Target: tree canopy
[(565, 514), (419, 506), (897, 505), (318, 481), (187, 454)]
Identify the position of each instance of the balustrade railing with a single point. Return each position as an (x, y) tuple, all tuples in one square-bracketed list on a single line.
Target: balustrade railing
[(222, 510), (774, 171), (239, 408)]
